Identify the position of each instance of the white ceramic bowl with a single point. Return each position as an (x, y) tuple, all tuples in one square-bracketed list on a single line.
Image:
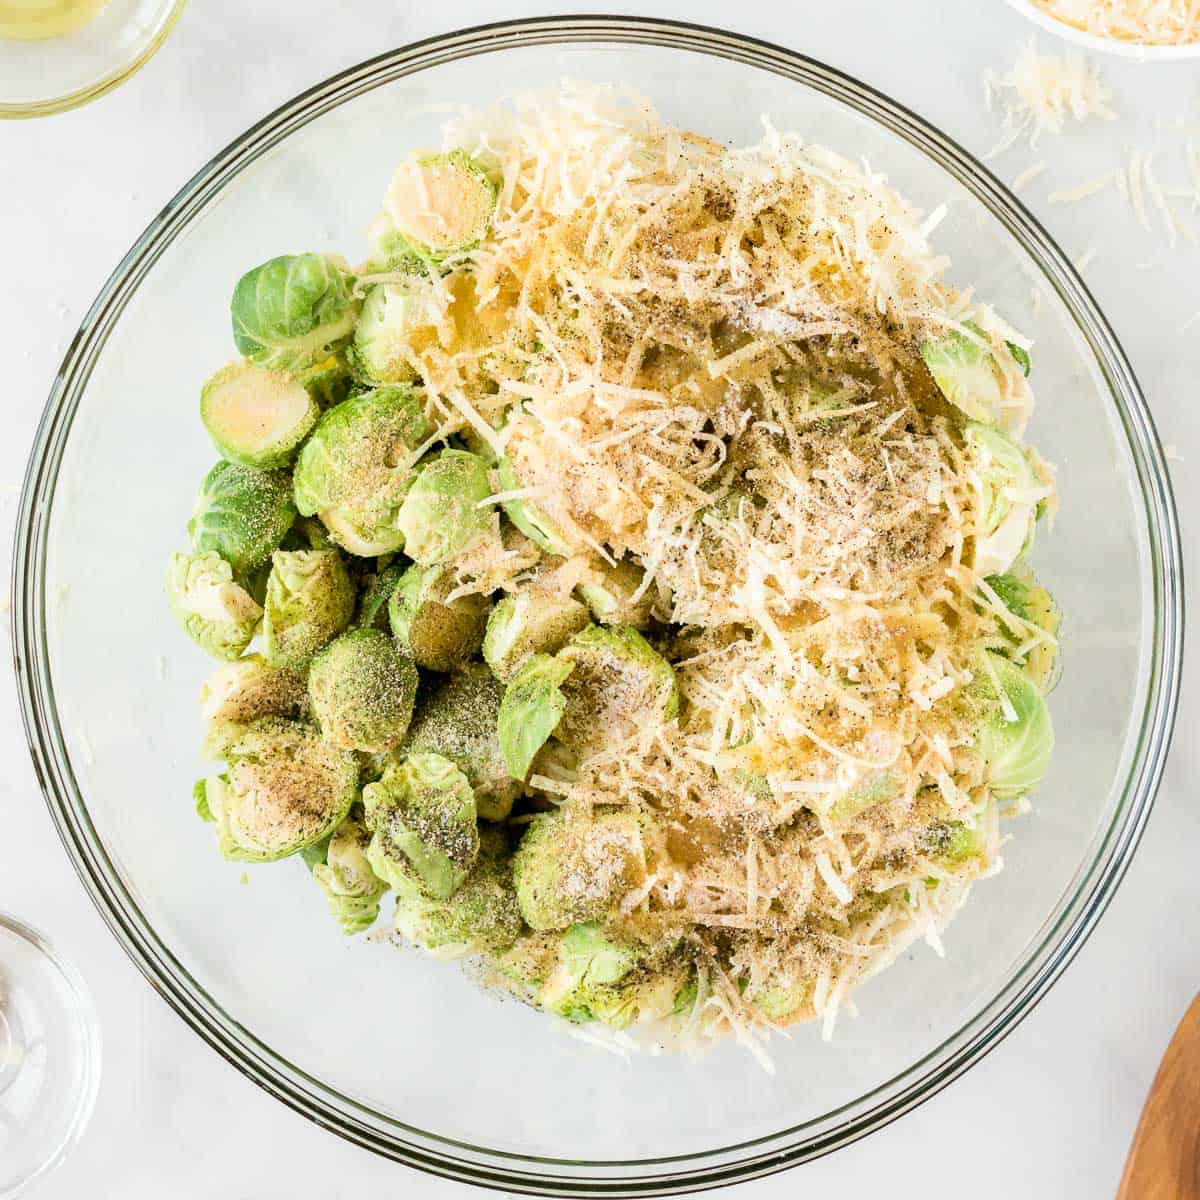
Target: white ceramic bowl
[(1102, 45)]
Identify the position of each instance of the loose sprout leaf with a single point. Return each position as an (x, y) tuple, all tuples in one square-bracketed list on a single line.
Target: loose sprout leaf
[(615, 595), (362, 690), (255, 416), (422, 817), (592, 958), (310, 600), (200, 801), (357, 467), (291, 311), (526, 516), (441, 514), (375, 595), (217, 613), (1021, 357), (532, 707), (242, 514)]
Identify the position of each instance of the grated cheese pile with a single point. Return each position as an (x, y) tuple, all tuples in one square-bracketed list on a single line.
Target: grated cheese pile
[(1147, 22), (1040, 93), (708, 361)]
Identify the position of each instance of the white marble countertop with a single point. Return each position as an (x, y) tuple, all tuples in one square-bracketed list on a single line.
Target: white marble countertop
[(1050, 1113)]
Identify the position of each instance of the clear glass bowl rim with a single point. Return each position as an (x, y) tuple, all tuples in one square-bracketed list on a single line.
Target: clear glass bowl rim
[(105, 83), (425, 1150)]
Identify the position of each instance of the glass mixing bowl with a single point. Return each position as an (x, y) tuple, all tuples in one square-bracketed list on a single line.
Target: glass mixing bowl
[(401, 1054)]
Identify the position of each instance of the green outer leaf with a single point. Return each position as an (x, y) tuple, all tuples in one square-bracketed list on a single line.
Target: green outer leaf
[(1021, 356), (200, 801), (217, 613), (375, 595), (242, 514), (1017, 752), (591, 958), (527, 517), (527, 622), (531, 709), (964, 372)]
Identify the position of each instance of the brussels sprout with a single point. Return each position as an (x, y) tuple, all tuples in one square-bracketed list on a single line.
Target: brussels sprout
[(965, 372), (600, 978), (345, 876), (373, 600), (532, 707), (575, 866), (257, 417), (876, 787), (1016, 737), (310, 600), (608, 592), (1005, 515), (783, 999), (962, 842), (291, 311), (423, 821), (438, 635), (250, 688), (458, 721), (219, 615), (356, 468), (242, 514), (362, 691), (382, 348), (1025, 598), (619, 686), (480, 918), (286, 788), (526, 516), (438, 207), (532, 621), (1020, 357), (441, 514)]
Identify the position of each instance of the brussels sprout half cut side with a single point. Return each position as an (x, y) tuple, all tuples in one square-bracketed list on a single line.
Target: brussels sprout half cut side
[(257, 417)]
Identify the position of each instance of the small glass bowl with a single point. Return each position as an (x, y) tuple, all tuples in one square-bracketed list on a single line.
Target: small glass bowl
[(1140, 51), (44, 76)]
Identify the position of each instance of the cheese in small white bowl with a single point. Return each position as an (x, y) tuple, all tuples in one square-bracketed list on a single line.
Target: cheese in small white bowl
[(1149, 30)]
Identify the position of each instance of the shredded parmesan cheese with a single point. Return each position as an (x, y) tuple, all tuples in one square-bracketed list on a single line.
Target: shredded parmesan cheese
[(1147, 22)]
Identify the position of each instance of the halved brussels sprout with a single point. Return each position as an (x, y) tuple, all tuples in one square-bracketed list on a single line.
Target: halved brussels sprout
[(608, 592), (373, 600), (291, 311), (441, 514), (257, 417), (1025, 598), (382, 349), (620, 685), (576, 865), (219, 615), (458, 720), (602, 978), (1016, 738), (327, 382), (345, 876), (285, 789), (874, 787), (526, 515), (242, 514), (437, 634), (438, 207), (250, 688), (965, 372), (422, 817), (532, 621), (310, 600), (480, 918), (1006, 489), (783, 998), (960, 841), (362, 691), (356, 468), (532, 707)]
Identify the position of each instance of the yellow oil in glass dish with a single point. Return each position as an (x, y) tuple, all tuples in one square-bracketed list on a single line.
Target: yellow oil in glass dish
[(34, 20)]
